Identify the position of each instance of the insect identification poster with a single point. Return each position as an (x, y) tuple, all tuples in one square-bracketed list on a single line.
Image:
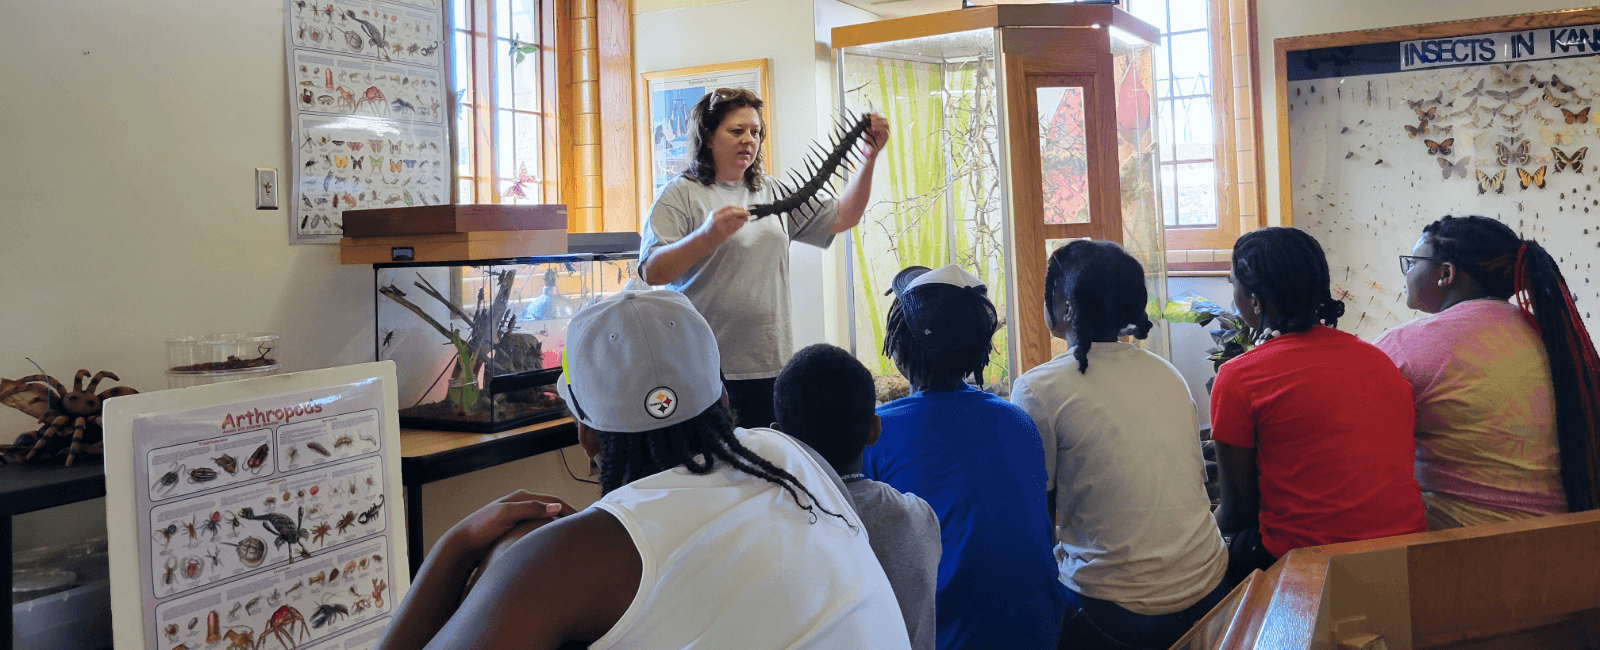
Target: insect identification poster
[(1385, 138), (368, 101), (671, 93), (257, 513)]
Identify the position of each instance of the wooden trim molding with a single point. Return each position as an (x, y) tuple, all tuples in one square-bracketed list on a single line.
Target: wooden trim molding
[(618, 153)]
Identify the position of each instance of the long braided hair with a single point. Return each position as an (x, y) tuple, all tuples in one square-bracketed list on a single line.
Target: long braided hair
[(1105, 287), (1286, 267), (696, 444), (936, 369), (1504, 265), (704, 120)]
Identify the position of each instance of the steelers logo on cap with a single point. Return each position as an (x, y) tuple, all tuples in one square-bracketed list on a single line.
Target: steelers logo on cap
[(661, 403)]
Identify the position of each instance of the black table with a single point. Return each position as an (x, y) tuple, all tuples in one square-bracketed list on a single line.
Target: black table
[(428, 456), (28, 488)]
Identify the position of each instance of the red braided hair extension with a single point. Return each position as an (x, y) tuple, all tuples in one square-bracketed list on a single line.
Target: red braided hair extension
[(1580, 347)]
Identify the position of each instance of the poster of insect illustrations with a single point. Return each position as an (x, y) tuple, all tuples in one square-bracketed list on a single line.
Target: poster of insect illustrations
[(1384, 138), (368, 104), (256, 513)]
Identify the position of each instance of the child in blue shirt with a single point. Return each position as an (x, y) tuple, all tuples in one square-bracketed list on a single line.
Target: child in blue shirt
[(977, 460)]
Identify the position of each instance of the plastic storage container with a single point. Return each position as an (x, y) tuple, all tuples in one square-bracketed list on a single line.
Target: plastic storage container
[(75, 619), (477, 345), (212, 358)]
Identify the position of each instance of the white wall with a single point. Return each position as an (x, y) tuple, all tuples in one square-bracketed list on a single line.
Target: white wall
[(1288, 18), (131, 130)]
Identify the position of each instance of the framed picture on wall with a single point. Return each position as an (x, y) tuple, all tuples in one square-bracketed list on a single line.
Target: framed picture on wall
[(669, 94)]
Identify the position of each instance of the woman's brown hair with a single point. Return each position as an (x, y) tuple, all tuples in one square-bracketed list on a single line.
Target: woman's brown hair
[(707, 116)]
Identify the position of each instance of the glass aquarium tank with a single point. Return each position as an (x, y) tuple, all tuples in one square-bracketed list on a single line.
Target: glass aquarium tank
[(477, 345), (1003, 123)]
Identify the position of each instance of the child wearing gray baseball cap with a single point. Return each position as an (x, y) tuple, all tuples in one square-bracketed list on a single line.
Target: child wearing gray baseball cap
[(697, 519)]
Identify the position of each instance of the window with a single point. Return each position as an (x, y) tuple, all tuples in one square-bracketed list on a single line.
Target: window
[(1208, 162), (507, 86)]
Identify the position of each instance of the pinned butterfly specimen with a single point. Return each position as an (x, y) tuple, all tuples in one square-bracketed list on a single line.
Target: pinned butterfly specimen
[(1556, 83), (1428, 115), (394, 145), (1459, 167), (396, 165), (1441, 130), (355, 145), (1580, 117), (377, 145), (1535, 179), (1475, 91), (1553, 99), (1575, 160), (523, 178), (1496, 182), (355, 163), (377, 163), (1417, 105), (1468, 110), (1507, 95), (1563, 137), (341, 161), (410, 163), (1414, 131), (1439, 148), (1514, 151)]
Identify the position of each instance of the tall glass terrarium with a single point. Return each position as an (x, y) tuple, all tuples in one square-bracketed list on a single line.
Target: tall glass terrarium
[(1016, 128), (477, 345)]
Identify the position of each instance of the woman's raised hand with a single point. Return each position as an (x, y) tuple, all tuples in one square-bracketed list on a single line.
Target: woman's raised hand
[(725, 221)]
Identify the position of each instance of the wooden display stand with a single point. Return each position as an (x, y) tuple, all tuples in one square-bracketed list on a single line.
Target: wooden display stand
[(1047, 50), (1530, 584), (441, 233)]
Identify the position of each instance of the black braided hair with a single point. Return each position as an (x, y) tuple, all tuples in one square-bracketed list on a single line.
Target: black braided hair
[(824, 397), (704, 120), (1106, 289), (696, 444), (934, 369), (1494, 256), (1285, 267)]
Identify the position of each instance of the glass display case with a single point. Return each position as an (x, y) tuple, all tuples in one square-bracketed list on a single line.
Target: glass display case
[(477, 345), (1016, 128)]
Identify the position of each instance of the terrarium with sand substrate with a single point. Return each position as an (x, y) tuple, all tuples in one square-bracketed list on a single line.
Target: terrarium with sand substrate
[(477, 345)]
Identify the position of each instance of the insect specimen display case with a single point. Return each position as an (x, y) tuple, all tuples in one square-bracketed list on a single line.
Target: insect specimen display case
[(478, 344), (1016, 128)]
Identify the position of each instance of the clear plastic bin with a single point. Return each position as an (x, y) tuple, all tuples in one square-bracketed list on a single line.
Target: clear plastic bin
[(76, 619), (187, 379), (223, 352)]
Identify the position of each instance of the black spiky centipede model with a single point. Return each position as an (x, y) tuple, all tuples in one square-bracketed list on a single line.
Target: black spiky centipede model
[(822, 167)]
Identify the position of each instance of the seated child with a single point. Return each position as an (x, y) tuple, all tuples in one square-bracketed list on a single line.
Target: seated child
[(1137, 542), (707, 536), (976, 459), (1312, 425), (1502, 389), (824, 398)]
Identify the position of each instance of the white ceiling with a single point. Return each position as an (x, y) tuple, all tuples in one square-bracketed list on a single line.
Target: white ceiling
[(902, 8)]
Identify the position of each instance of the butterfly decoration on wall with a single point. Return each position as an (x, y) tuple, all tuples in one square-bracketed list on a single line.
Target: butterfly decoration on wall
[(1575, 160), (355, 145), (1435, 103), (1535, 179), (523, 178), (1439, 148), (1509, 76), (396, 165), (1554, 82), (394, 146), (377, 163), (1476, 91), (1553, 99), (355, 163), (1563, 137), (1414, 131), (377, 145), (1427, 115), (1496, 182), (341, 161), (1459, 167), (1514, 151), (1580, 117)]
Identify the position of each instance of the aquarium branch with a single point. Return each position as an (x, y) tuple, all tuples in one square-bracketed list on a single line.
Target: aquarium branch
[(395, 295), (422, 283)]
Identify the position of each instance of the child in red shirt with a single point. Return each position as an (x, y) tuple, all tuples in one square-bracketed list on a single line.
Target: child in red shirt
[(1322, 418)]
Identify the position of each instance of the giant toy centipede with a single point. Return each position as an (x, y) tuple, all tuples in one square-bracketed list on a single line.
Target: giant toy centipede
[(822, 167)]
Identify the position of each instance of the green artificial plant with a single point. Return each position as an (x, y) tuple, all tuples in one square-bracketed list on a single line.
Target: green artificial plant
[(1233, 339)]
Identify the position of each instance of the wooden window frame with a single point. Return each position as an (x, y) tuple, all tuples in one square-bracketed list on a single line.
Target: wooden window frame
[(1235, 95)]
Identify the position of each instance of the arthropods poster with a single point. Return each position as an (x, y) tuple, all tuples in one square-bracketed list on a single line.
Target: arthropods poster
[(259, 506), (368, 99)]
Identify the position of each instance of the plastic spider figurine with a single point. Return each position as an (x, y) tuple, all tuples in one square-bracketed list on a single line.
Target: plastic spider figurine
[(69, 416)]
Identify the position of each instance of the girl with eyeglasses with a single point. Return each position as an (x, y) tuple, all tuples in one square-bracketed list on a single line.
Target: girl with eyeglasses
[(700, 240), (1507, 393), (1312, 425)]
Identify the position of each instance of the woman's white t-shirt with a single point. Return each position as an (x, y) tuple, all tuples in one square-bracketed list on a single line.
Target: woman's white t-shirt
[(729, 561)]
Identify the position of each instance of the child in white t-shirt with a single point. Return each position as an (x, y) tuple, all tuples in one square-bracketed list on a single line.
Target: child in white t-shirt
[(1135, 536)]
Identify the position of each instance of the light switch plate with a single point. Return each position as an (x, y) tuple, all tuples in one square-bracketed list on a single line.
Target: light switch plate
[(266, 188)]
